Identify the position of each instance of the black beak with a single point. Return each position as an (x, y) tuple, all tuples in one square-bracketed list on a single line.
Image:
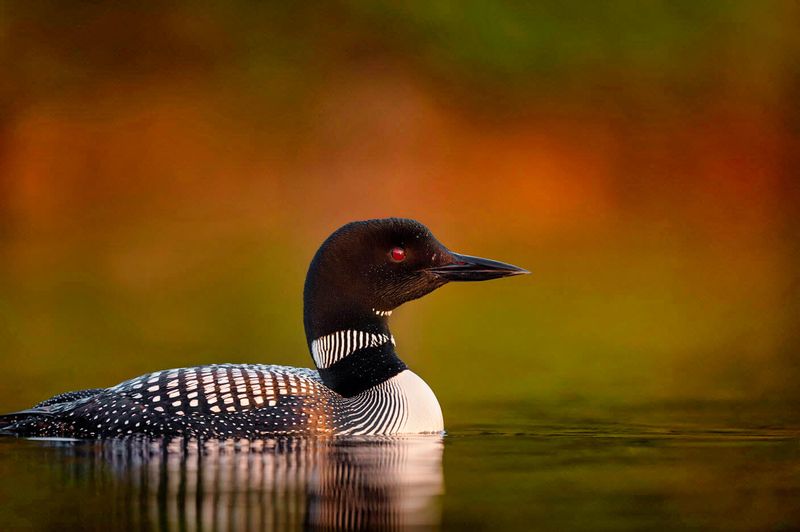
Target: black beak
[(466, 268)]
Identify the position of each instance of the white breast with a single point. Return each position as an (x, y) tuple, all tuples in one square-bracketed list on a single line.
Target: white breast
[(403, 404), (423, 411)]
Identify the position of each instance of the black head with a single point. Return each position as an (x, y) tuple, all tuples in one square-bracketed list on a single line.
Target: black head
[(366, 269)]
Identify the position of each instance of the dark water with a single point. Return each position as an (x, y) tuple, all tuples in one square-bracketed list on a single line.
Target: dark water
[(721, 466)]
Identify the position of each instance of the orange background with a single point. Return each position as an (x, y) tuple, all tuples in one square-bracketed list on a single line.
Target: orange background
[(166, 173)]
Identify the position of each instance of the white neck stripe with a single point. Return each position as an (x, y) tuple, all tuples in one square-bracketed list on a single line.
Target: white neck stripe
[(331, 348)]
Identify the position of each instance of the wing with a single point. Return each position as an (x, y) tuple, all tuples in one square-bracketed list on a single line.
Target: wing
[(216, 401)]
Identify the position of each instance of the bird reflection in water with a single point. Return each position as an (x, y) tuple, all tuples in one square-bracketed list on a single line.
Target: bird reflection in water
[(275, 484)]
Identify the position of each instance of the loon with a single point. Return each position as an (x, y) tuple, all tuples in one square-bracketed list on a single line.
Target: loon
[(360, 274)]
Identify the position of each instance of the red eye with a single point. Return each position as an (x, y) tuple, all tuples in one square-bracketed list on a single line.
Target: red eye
[(398, 254)]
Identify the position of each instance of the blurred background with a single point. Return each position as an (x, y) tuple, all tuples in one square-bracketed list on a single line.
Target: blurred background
[(168, 170)]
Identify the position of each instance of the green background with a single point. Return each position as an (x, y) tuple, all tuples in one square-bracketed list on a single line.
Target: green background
[(167, 172)]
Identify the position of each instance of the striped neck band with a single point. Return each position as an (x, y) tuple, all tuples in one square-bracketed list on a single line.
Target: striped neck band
[(331, 348)]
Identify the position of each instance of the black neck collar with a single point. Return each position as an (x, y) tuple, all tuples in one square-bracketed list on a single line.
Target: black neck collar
[(362, 369)]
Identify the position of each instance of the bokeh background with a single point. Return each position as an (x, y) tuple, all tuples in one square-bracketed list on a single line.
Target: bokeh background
[(167, 171)]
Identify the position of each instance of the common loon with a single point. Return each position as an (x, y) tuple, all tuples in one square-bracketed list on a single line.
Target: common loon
[(359, 275)]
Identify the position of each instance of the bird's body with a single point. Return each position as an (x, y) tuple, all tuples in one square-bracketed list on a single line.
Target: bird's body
[(236, 401), (361, 387)]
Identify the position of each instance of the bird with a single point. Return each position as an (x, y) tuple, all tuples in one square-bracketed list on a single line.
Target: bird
[(360, 274)]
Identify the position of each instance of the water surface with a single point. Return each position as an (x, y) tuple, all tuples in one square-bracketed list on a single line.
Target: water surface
[(679, 466)]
